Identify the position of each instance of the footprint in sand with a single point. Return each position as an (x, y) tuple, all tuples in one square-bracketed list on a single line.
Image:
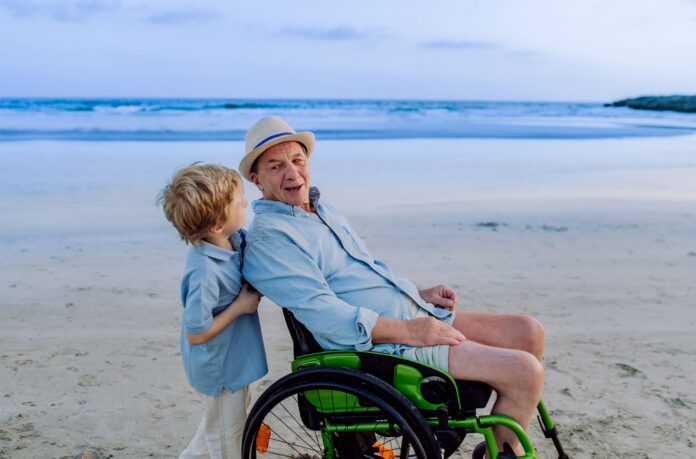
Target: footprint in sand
[(678, 402), (87, 381), (566, 391), (628, 371)]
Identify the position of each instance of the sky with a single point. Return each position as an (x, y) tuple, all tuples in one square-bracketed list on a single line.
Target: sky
[(563, 50)]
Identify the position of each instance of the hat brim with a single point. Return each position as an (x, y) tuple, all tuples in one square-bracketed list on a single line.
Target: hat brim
[(305, 138)]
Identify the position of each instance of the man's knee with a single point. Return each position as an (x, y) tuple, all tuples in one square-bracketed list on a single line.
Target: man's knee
[(526, 377), (532, 335), (536, 374)]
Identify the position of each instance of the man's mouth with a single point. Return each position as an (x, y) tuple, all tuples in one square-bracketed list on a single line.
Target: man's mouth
[(293, 189)]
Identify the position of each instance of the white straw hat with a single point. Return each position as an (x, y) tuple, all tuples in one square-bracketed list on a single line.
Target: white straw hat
[(267, 132)]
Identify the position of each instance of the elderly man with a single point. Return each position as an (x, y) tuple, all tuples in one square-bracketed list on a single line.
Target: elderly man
[(302, 254)]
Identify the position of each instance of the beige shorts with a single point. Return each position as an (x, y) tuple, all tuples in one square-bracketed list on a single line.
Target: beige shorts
[(435, 356)]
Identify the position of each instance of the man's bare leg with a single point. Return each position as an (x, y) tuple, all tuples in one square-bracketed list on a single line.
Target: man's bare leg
[(509, 331), (517, 377), (517, 397)]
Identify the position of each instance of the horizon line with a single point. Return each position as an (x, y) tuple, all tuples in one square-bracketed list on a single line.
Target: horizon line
[(350, 99)]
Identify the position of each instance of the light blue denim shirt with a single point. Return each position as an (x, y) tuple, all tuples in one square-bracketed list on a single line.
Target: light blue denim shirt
[(236, 357), (315, 265)]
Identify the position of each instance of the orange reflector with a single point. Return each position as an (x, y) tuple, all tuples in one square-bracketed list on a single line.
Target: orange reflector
[(383, 451), (263, 436)]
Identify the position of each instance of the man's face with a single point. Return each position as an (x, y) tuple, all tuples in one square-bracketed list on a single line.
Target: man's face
[(282, 174)]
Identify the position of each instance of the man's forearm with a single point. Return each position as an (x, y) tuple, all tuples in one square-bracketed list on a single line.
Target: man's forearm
[(388, 330), (423, 331)]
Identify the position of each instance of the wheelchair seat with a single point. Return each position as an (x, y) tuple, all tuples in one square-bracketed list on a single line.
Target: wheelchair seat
[(436, 386)]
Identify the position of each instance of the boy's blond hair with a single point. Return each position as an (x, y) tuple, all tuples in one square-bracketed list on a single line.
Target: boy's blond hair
[(198, 199)]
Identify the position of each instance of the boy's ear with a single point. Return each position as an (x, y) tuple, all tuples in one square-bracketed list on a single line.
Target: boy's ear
[(217, 229)]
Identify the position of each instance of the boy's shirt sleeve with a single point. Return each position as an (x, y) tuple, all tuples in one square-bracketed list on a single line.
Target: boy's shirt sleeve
[(200, 300)]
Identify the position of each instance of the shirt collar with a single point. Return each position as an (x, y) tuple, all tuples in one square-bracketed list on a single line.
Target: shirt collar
[(219, 253)]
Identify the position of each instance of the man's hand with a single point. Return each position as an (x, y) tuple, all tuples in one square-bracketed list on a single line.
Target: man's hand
[(429, 331), (441, 296)]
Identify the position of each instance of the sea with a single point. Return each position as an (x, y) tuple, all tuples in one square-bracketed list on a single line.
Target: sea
[(331, 119), (88, 164)]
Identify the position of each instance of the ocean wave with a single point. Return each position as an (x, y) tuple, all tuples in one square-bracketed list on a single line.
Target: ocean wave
[(478, 130), (139, 106), (134, 106), (340, 107), (226, 119)]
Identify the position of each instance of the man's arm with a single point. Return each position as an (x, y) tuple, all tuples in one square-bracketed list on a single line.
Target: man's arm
[(423, 331), (291, 278)]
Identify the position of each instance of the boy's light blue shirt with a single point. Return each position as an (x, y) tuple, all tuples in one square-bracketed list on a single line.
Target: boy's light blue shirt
[(236, 357), (315, 265)]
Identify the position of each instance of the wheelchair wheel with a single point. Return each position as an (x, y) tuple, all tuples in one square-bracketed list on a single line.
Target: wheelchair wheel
[(480, 451), (339, 413)]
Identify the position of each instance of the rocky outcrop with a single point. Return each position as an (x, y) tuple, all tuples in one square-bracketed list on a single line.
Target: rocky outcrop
[(686, 104)]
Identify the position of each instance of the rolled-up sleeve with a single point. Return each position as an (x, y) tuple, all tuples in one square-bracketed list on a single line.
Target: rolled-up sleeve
[(200, 298), (291, 278)]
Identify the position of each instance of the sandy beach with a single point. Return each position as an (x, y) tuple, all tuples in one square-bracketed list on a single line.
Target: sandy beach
[(595, 238)]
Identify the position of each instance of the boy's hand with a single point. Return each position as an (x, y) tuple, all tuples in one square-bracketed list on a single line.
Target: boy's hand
[(248, 299)]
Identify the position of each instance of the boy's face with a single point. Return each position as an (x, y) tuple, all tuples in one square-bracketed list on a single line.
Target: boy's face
[(235, 214)]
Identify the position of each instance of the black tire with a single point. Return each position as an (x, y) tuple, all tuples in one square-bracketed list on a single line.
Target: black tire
[(480, 451), (297, 434)]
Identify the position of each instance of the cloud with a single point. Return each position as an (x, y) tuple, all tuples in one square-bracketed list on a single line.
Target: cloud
[(526, 54), (81, 10), (67, 11), (183, 17), (332, 34), (502, 49), (461, 44)]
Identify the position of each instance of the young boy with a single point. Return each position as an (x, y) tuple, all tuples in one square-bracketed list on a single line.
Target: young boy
[(221, 344)]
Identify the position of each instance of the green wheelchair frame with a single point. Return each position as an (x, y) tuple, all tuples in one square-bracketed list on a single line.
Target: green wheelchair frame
[(347, 399)]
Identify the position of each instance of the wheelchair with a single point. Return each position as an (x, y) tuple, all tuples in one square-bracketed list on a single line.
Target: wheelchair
[(358, 405)]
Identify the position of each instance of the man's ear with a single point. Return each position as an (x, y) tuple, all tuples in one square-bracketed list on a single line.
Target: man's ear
[(254, 177)]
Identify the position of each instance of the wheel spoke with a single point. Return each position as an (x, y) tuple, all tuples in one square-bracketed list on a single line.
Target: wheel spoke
[(299, 423), (314, 432), (292, 445), (293, 432)]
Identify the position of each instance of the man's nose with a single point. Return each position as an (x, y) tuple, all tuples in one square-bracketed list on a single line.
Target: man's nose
[(293, 173)]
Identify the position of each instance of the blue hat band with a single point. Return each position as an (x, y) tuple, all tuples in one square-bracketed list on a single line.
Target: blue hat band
[(268, 139)]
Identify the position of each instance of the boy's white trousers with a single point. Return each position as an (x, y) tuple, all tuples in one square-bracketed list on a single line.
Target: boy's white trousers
[(219, 435)]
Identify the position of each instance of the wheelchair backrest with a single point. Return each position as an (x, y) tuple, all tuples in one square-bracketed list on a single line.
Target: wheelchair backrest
[(303, 341)]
